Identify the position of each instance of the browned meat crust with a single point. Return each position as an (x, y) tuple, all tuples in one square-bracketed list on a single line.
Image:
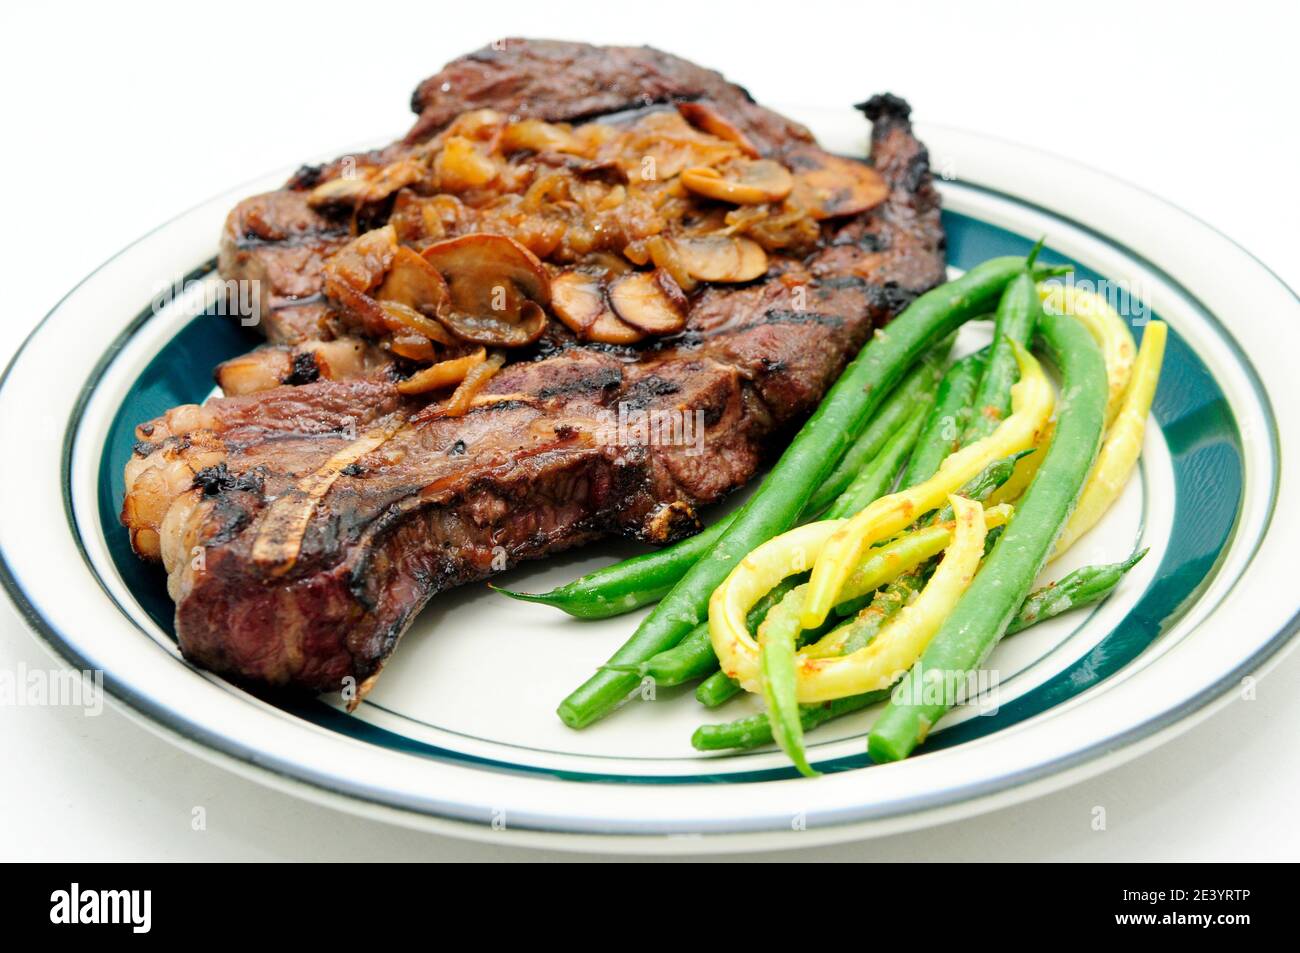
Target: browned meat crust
[(559, 81)]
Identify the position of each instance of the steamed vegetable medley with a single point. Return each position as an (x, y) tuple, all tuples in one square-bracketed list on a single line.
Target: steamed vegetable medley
[(897, 539)]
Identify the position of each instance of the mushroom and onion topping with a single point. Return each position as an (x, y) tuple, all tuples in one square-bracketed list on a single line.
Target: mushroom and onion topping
[(496, 225)]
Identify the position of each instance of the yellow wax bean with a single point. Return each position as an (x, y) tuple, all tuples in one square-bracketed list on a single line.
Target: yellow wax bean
[(793, 552), (901, 641), (1032, 401)]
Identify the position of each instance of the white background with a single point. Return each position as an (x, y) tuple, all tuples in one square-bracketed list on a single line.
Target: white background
[(117, 117)]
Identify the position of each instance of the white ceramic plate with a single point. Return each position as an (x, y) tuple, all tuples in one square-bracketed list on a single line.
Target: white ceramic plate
[(460, 734)]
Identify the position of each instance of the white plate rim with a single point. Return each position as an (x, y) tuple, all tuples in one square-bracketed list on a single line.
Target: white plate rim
[(1048, 771)]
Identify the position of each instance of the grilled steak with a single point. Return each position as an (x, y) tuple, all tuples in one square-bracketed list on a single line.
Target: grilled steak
[(304, 526)]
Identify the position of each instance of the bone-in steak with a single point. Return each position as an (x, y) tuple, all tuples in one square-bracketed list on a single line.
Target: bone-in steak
[(305, 525)]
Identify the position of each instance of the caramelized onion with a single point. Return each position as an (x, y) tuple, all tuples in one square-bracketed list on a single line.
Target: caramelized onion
[(279, 538), (367, 186), (400, 319), (463, 398), (704, 116), (442, 374), (362, 263), (460, 166), (413, 347), (537, 136)]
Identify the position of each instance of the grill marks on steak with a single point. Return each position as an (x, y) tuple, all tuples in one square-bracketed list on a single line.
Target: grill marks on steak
[(280, 242), (532, 468)]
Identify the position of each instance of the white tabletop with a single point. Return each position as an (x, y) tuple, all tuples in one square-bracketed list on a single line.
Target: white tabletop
[(118, 120)]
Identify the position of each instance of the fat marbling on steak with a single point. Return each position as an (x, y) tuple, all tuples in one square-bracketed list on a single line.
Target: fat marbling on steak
[(393, 500)]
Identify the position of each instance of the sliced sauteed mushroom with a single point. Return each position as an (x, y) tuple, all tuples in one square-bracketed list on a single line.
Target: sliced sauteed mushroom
[(743, 182), (829, 186), (649, 300), (413, 282), (367, 185), (579, 301), (412, 295), (705, 117), (721, 258), (498, 289)]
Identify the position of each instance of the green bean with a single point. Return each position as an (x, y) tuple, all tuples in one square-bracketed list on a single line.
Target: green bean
[(756, 730), (777, 655), (879, 478), (765, 727), (847, 638), (776, 662), (981, 486), (641, 580), (693, 657), (986, 609), (917, 389), (630, 584), (1080, 588), (717, 688), (943, 433), (689, 659), (947, 420), (809, 459), (1017, 314), (893, 559)]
